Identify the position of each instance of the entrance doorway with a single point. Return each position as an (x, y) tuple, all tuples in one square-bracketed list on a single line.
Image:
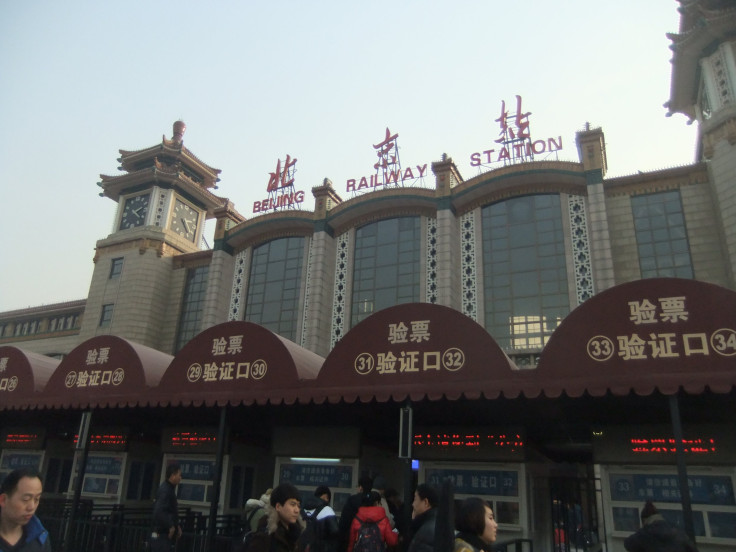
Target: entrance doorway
[(574, 515)]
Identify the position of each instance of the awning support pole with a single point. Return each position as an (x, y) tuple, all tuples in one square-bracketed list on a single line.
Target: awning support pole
[(687, 507), (406, 436), (216, 483), (83, 439)]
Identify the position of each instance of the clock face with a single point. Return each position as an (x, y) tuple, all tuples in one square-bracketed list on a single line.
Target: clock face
[(184, 220), (134, 212)]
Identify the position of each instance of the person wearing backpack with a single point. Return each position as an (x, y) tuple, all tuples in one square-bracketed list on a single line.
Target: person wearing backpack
[(371, 530), (352, 504), (255, 509), (321, 532)]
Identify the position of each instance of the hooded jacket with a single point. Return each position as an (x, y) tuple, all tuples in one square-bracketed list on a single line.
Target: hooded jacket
[(276, 537), (657, 535), (376, 514), (36, 537)]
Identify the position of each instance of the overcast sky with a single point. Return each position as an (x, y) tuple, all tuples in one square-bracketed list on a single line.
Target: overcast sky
[(318, 80)]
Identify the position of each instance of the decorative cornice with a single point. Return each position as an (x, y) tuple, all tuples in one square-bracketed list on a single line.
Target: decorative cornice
[(660, 181), (721, 130), (161, 248), (193, 260)]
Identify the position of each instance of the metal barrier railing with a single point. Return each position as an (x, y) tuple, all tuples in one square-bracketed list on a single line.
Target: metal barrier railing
[(117, 529)]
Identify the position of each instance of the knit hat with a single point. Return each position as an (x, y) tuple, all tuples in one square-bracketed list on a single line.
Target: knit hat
[(648, 510), (379, 483)]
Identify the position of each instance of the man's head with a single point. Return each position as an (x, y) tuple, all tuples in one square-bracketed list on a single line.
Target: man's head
[(20, 494), (323, 492), (173, 474), (286, 500), (425, 498)]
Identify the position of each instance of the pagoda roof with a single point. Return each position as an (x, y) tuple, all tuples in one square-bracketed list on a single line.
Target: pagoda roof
[(165, 177), (131, 160), (704, 24)]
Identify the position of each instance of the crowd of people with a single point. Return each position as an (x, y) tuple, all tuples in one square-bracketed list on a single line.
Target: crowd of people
[(372, 520)]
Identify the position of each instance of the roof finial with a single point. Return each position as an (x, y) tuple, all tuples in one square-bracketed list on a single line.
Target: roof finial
[(179, 128)]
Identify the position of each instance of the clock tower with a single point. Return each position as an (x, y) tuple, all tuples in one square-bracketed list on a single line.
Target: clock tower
[(166, 187), (164, 197)]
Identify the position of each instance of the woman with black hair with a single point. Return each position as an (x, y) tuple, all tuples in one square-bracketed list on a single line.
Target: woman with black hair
[(476, 526)]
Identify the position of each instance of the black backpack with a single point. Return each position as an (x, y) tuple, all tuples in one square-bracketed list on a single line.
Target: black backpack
[(369, 537), (311, 538)]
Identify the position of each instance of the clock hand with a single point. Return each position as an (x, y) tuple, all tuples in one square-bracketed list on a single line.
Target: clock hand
[(184, 223)]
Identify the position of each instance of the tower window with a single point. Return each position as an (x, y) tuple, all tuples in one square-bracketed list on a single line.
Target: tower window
[(116, 267), (106, 315)]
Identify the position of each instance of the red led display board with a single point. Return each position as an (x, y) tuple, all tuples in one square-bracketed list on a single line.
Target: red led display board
[(23, 438), (447, 443), (179, 440)]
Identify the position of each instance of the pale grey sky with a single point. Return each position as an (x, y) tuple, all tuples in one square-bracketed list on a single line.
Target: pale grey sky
[(320, 81)]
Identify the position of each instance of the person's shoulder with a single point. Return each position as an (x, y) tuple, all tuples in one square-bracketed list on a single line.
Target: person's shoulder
[(326, 512)]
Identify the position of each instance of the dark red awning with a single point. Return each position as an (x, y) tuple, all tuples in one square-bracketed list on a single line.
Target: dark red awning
[(238, 363), (22, 376), (105, 371), (415, 350), (660, 333)]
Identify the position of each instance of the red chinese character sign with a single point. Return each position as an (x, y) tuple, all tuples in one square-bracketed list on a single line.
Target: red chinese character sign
[(388, 168), (659, 333), (280, 188), (515, 142)]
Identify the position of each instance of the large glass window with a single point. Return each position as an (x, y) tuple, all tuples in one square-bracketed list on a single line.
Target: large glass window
[(274, 286), (386, 270), (524, 270), (190, 318), (661, 236)]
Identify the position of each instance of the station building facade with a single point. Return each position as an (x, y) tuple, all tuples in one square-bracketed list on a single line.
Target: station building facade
[(459, 305)]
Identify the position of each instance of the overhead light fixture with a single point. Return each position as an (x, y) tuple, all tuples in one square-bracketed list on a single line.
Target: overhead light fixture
[(317, 460)]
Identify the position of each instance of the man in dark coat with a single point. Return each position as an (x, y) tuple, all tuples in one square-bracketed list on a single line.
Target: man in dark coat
[(657, 535), (282, 523), (166, 528), (424, 517)]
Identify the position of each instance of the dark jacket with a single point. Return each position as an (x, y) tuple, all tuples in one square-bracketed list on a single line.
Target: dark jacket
[(422, 528), (657, 535), (326, 526), (36, 538), (346, 518), (376, 514), (166, 508)]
